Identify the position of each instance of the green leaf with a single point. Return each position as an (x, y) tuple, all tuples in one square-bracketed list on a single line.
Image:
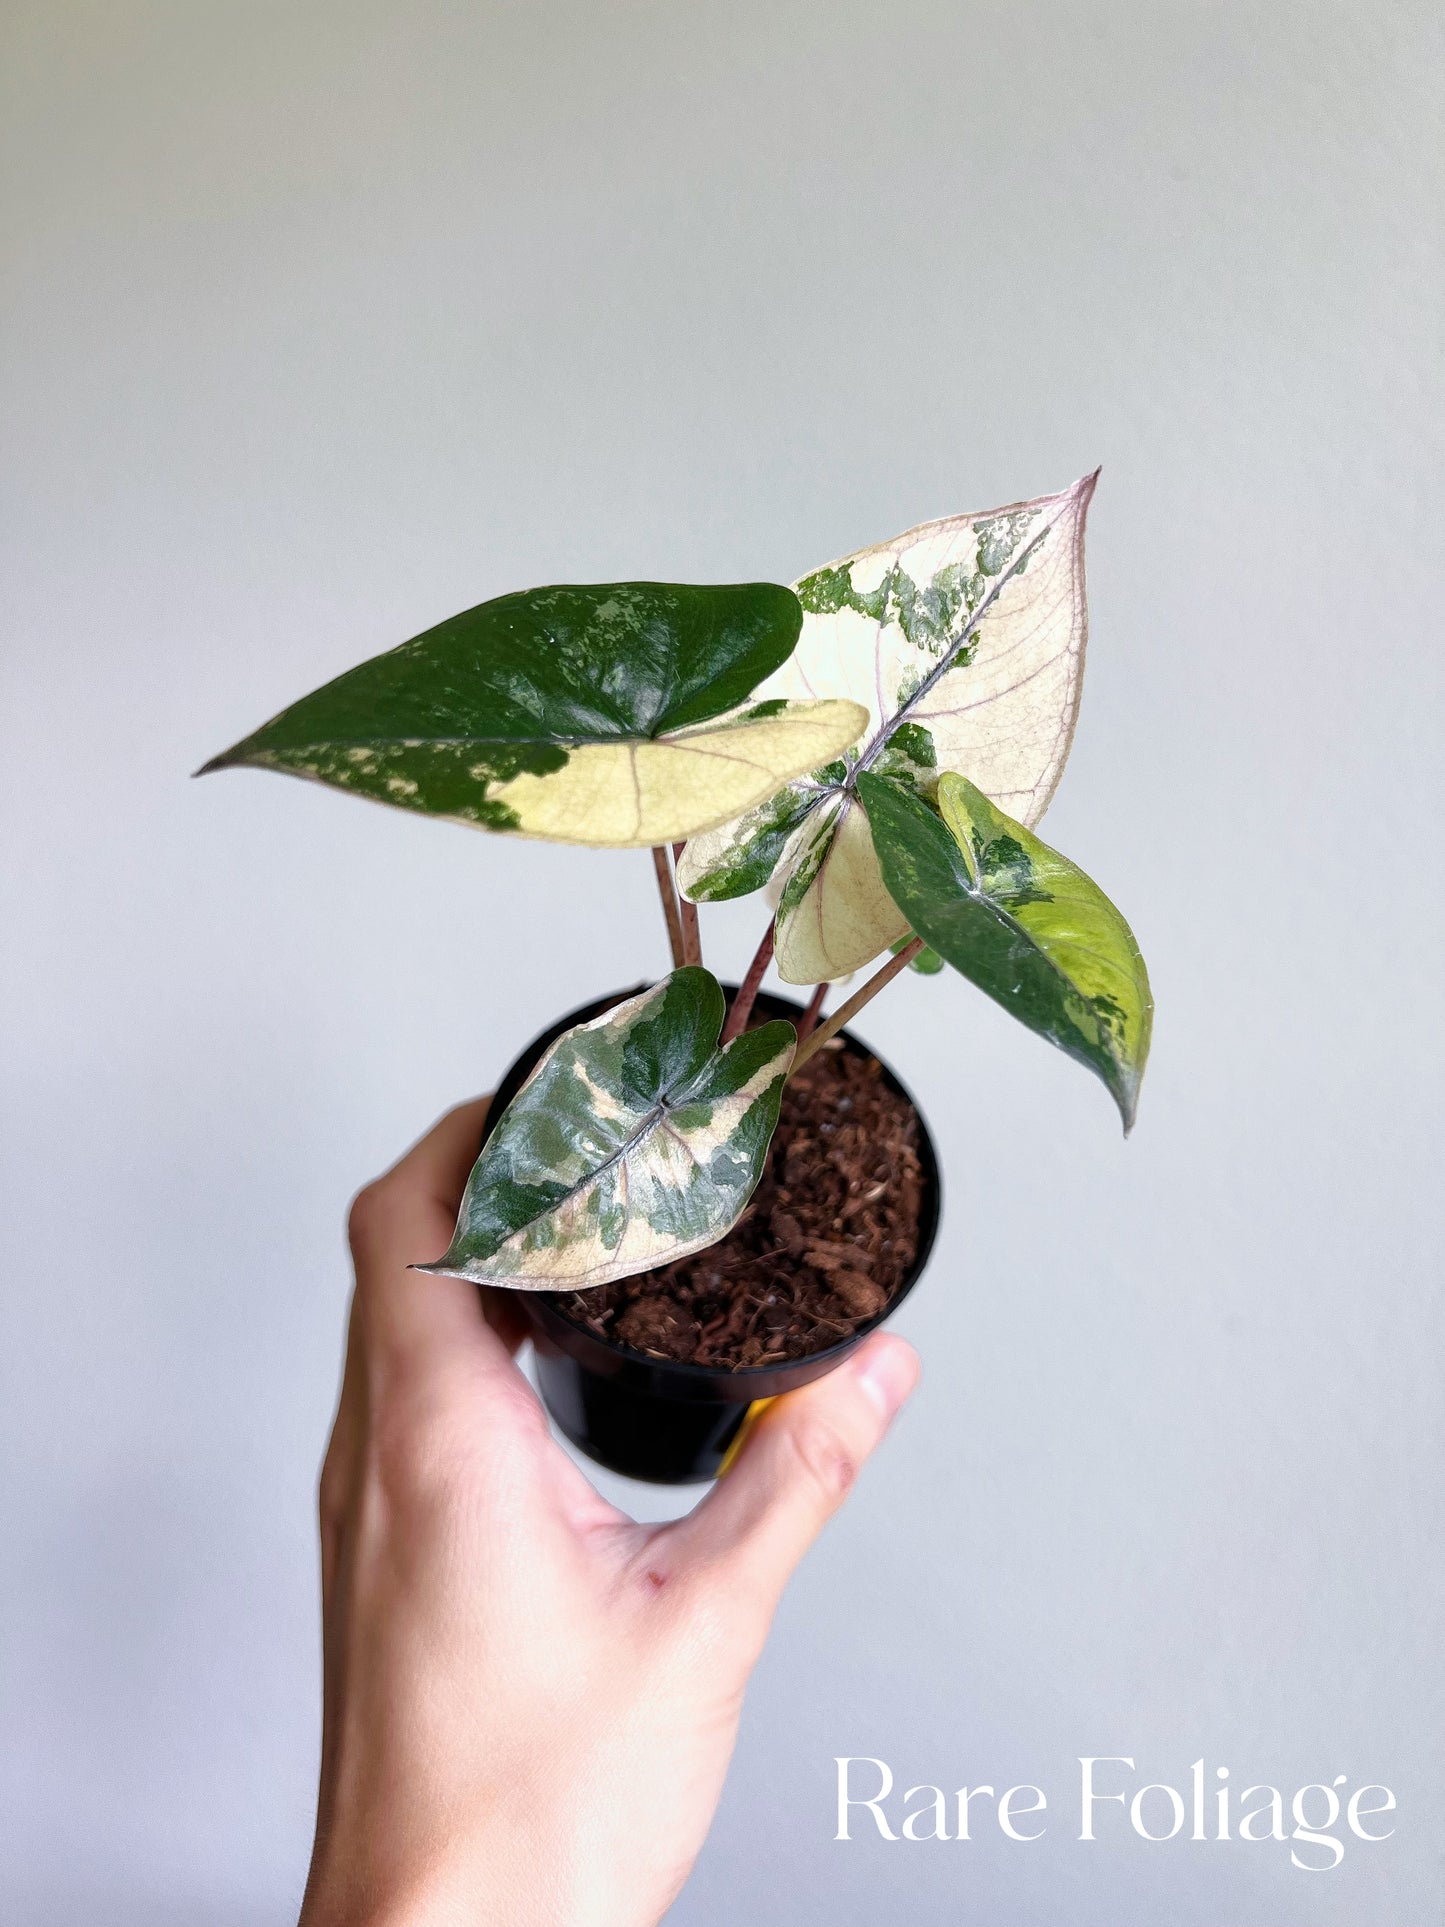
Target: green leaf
[(1020, 921), (578, 714), (635, 1141), (964, 640)]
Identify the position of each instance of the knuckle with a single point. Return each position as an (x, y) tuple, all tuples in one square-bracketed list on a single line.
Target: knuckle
[(426, 1449), (413, 1454), (824, 1458), (368, 1210), (331, 1480), (331, 1495)]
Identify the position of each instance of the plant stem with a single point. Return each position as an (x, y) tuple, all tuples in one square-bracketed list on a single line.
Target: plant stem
[(846, 1012), (811, 1015), (662, 863), (691, 935), (748, 990)]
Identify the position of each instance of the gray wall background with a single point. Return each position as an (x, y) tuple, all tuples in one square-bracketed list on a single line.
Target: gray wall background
[(327, 320)]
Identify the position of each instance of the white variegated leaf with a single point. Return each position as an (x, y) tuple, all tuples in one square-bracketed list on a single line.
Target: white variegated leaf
[(964, 640)]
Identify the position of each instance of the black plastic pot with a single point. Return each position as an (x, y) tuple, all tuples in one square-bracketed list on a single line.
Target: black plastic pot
[(651, 1419)]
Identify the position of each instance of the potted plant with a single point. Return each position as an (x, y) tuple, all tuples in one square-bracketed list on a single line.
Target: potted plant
[(708, 1194)]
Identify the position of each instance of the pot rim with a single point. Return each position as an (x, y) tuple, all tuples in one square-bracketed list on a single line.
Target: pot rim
[(679, 1377)]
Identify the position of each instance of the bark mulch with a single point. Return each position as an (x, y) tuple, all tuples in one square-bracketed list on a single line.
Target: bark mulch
[(827, 1239)]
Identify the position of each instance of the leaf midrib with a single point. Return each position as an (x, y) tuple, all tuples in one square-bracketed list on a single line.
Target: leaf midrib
[(1006, 917), (889, 725), (659, 1111), (687, 733)]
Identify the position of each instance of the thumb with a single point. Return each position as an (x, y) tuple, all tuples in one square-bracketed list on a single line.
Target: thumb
[(793, 1473)]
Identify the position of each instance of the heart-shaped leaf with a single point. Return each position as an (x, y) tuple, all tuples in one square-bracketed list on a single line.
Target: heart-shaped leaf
[(578, 714), (1020, 921), (635, 1141), (964, 639)]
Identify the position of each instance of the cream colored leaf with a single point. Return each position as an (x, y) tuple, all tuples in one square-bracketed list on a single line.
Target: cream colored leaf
[(633, 795), (842, 909)]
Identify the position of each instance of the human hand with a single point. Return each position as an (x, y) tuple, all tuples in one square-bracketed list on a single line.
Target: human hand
[(530, 1700)]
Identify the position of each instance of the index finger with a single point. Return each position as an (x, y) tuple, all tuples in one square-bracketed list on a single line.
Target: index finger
[(405, 1218)]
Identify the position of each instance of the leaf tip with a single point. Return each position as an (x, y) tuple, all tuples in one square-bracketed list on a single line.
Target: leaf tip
[(235, 757), (1082, 492)]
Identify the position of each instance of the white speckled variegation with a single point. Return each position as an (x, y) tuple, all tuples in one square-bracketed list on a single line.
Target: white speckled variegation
[(964, 640)]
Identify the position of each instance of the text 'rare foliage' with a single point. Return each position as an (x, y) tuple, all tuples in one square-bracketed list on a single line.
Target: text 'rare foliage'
[(635, 1141)]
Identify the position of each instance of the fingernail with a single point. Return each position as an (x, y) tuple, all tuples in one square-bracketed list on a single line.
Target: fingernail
[(888, 1372)]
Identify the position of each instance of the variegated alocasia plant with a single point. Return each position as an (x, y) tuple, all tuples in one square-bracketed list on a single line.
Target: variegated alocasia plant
[(875, 746)]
